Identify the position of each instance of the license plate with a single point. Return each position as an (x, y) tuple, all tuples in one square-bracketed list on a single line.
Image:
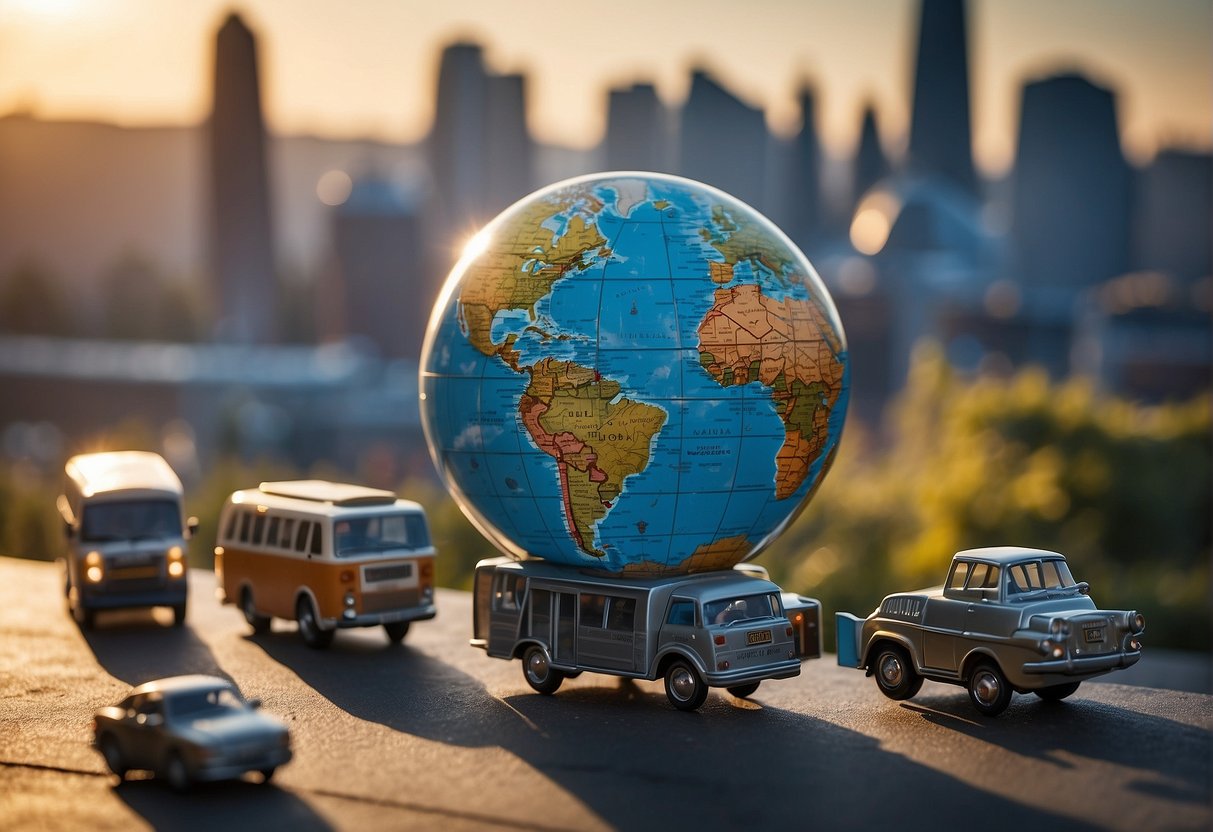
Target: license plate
[(1093, 635), (758, 637)]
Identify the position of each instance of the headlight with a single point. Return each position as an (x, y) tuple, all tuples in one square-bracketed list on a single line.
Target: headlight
[(1139, 622), (1059, 627), (94, 567), (427, 593), (349, 599)]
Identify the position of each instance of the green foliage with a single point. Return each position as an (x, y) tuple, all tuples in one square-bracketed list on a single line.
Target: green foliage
[(32, 302), (1122, 490), (141, 303)]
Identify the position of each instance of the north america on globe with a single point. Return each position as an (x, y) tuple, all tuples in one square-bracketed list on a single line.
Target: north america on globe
[(636, 374)]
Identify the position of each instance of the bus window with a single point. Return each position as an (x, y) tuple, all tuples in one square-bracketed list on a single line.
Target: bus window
[(682, 613), (230, 534), (593, 609), (305, 529), (271, 534), (258, 528), (315, 550), (622, 615), (288, 532), (246, 522), (508, 595)]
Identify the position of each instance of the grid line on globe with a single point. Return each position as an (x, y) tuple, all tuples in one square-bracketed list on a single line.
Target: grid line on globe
[(634, 374)]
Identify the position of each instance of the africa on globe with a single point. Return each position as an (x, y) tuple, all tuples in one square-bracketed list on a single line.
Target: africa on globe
[(633, 373)]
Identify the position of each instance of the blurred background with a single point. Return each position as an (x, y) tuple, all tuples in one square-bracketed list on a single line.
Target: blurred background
[(223, 225)]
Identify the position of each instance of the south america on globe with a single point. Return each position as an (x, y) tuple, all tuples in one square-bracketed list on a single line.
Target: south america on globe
[(635, 374)]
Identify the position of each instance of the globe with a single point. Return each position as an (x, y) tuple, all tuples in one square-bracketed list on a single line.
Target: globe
[(635, 374)]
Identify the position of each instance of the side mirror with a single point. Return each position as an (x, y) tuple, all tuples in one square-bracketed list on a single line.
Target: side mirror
[(1084, 588), (192, 525)]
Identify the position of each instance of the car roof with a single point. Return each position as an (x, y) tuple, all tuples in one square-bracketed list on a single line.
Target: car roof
[(1003, 555), (183, 684), (119, 471), (322, 497)]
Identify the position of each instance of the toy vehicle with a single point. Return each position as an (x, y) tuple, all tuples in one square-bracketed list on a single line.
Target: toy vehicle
[(1008, 619), (328, 555), (714, 629), (126, 543), (189, 729)]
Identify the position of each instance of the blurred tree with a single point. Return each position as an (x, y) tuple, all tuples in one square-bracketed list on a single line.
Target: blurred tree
[(1122, 490), (32, 302), (141, 303)]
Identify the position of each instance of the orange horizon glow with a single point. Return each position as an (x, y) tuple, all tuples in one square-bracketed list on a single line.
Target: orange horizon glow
[(367, 69)]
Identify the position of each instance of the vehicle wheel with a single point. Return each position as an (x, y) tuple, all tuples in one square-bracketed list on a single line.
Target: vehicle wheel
[(396, 631), (179, 615), (742, 691), (1056, 693), (895, 674), (309, 628), (176, 773), (685, 690), (989, 689), (259, 623), (113, 755), (267, 774), (538, 670)]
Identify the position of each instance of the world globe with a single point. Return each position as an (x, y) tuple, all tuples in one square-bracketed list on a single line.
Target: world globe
[(634, 374)]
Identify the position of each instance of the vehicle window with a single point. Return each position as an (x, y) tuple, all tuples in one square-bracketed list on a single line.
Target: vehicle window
[(230, 533), (508, 595), (977, 574), (368, 535), (682, 614), (271, 533), (991, 578), (197, 702), (305, 529), (316, 539), (621, 616), (259, 528), (593, 610), (130, 520), (959, 574), (741, 608), (1057, 575), (1024, 577), (246, 523), (288, 532), (146, 706)]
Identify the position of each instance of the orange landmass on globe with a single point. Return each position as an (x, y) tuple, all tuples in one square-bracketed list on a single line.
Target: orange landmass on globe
[(597, 438), (709, 557), (789, 346)]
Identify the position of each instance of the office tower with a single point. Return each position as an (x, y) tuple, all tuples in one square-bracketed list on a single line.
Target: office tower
[(384, 290), (636, 136), (723, 141), (1174, 206), (1072, 189), (456, 142), (804, 179), (871, 165), (507, 144), (242, 252), (940, 135)]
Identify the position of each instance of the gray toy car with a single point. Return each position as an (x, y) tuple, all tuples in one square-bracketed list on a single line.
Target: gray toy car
[(189, 729), (1007, 619)]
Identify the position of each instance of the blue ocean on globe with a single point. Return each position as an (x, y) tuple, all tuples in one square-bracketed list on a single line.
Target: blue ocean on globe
[(633, 373)]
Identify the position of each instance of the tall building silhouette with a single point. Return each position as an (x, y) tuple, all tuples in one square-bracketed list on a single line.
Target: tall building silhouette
[(940, 133), (723, 141), (636, 133), (1174, 207), (507, 144), (804, 178), (242, 246), (457, 139), (871, 164), (1072, 188)]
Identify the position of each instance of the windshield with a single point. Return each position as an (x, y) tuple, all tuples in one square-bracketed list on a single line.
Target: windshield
[(130, 520), (360, 535), (741, 608), (199, 702), (1034, 576)]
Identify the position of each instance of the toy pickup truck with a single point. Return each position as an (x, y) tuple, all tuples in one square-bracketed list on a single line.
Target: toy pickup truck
[(1007, 620)]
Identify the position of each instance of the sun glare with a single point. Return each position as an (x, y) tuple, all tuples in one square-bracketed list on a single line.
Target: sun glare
[(50, 11)]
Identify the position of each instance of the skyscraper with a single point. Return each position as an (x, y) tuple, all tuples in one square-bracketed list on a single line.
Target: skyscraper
[(242, 246), (636, 135), (940, 134), (456, 142), (723, 141), (871, 164), (804, 179), (507, 144)]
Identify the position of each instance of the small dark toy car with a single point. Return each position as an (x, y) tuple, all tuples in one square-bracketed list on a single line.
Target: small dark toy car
[(1007, 620), (189, 729)]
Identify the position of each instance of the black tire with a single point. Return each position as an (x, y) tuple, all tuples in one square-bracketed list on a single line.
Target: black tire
[(742, 691), (259, 623), (894, 672), (988, 689), (179, 615), (538, 671), (396, 631), (267, 774), (684, 687), (176, 773), (1056, 693), (309, 628), (108, 746)]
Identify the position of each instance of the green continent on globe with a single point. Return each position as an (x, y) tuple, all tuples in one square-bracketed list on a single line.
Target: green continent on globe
[(788, 346), (523, 263), (572, 415)]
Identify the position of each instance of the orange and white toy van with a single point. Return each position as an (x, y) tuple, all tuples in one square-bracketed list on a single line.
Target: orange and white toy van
[(327, 555)]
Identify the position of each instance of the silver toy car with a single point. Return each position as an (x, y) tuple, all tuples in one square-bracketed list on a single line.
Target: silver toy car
[(188, 729), (1007, 619)]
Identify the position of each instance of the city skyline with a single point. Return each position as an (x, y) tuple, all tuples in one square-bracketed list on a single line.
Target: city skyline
[(371, 72)]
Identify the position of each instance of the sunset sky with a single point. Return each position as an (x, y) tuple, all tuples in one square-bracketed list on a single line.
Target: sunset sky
[(367, 68)]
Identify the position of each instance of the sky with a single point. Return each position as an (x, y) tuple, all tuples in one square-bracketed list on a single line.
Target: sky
[(367, 68)]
